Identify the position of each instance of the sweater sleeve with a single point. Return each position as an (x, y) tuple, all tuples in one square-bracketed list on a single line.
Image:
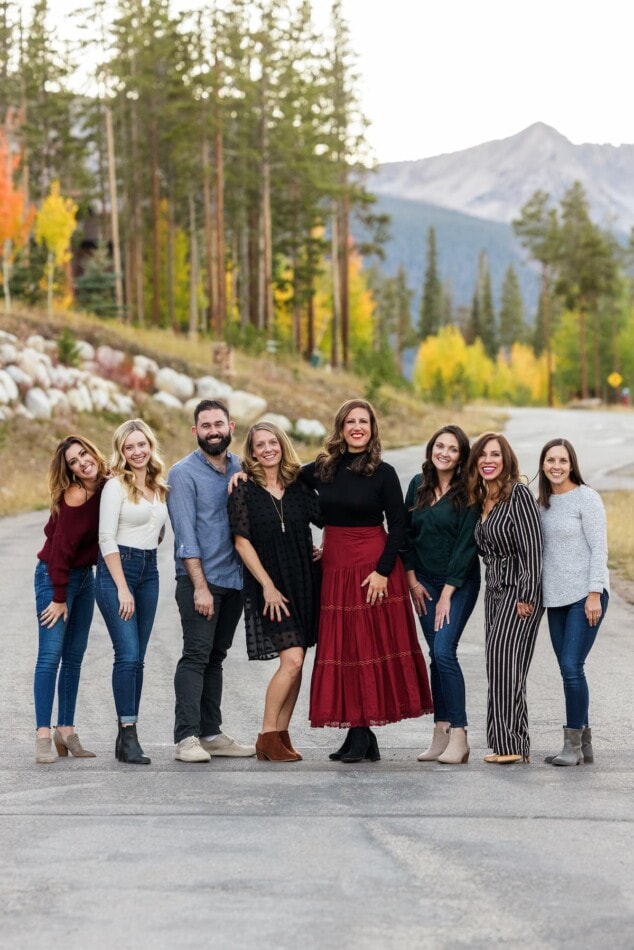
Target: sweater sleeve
[(594, 527), (61, 556), (407, 549), (392, 497), (112, 498), (464, 550), (530, 543)]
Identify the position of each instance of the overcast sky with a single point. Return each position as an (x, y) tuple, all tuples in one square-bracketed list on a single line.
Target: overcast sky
[(442, 75)]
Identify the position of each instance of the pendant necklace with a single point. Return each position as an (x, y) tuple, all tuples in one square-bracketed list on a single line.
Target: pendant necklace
[(279, 511)]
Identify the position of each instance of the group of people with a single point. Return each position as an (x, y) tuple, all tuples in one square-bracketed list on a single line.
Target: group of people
[(243, 541)]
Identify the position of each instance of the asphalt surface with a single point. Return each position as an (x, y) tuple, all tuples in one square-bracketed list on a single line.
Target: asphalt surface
[(245, 854)]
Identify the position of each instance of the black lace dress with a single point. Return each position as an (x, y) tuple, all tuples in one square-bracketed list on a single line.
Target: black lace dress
[(287, 557)]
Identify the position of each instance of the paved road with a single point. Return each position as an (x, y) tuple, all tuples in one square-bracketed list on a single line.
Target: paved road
[(243, 854)]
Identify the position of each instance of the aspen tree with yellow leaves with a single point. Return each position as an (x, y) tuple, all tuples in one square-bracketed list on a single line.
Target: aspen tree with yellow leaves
[(55, 225)]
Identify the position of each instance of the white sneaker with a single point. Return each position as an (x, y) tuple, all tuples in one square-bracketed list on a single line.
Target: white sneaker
[(225, 745), (190, 750)]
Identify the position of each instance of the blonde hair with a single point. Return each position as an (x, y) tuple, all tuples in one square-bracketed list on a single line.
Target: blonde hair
[(60, 477), (289, 464), (155, 479)]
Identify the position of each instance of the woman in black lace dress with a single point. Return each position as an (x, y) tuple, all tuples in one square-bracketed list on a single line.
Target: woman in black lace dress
[(270, 515)]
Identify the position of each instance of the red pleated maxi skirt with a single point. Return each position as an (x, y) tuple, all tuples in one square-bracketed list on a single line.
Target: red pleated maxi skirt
[(369, 668)]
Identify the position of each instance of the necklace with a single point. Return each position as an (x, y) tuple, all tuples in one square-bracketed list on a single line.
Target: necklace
[(279, 511)]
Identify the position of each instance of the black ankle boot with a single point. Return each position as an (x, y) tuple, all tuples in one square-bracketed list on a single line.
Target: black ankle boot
[(363, 745), (130, 750), (117, 742), (335, 756)]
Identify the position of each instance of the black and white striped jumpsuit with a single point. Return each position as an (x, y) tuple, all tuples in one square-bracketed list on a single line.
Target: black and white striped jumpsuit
[(510, 541)]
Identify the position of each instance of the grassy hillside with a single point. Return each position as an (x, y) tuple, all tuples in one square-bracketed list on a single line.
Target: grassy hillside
[(288, 384)]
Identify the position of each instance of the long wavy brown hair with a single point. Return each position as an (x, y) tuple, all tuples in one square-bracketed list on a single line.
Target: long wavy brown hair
[(545, 488), (457, 494), (155, 479), (60, 476), (476, 486), (289, 464), (335, 446)]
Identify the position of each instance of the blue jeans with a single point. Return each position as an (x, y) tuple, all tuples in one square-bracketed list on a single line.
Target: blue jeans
[(572, 638), (64, 643), (447, 681), (129, 637)]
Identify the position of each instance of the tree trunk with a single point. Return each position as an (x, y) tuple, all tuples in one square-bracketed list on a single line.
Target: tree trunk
[(114, 213), (171, 266), (221, 277), (156, 226), (336, 298), (344, 268), (583, 358), (208, 230), (6, 274), (193, 269)]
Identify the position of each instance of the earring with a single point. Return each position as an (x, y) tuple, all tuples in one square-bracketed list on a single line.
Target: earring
[(459, 470)]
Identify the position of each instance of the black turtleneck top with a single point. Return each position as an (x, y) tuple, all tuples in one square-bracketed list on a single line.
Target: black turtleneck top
[(361, 501)]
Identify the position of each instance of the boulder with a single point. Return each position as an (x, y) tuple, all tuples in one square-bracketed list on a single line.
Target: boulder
[(167, 399), (79, 399), (37, 404), (245, 407), (282, 422), (36, 342), (309, 430), (8, 353), (9, 386), (208, 387), (143, 366), (85, 350), (109, 359), (58, 400), (19, 377), (167, 380)]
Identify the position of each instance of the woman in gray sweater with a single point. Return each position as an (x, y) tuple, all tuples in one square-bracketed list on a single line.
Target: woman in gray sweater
[(575, 583)]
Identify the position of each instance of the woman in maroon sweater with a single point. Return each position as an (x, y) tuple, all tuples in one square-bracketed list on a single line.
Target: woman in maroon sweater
[(65, 591)]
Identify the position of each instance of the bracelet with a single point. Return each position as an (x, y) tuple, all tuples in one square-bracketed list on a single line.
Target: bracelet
[(415, 586)]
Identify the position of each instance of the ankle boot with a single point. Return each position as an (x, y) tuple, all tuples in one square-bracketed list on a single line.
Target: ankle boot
[(270, 748), (117, 741), (44, 751), (586, 745), (335, 756), (363, 745), (286, 742), (130, 750), (439, 742), (457, 751), (71, 744), (571, 753)]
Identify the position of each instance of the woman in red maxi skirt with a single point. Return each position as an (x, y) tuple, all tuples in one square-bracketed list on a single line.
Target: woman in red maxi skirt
[(369, 669)]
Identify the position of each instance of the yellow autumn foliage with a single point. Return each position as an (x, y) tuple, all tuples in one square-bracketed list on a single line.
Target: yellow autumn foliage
[(55, 224), (447, 369)]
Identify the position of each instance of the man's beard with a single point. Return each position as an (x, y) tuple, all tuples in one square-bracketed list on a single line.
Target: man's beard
[(215, 448)]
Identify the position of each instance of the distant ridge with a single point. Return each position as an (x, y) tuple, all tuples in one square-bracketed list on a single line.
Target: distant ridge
[(493, 180)]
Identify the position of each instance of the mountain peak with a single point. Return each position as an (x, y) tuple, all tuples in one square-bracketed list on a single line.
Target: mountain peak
[(495, 179)]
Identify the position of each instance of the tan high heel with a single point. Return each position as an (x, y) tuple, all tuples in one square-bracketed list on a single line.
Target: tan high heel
[(512, 759), (44, 751), (286, 742), (269, 747), (439, 742), (457, 752), (71, 743)]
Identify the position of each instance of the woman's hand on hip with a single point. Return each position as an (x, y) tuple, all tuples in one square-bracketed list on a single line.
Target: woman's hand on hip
[(51, 614), (377, 587), (126, 604), (274, 602)]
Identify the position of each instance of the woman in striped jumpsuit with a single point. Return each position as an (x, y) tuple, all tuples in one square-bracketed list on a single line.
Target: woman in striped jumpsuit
[(509, 537)]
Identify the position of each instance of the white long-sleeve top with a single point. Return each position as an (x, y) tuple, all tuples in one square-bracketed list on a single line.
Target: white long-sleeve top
[(575, 547), (122, 522)]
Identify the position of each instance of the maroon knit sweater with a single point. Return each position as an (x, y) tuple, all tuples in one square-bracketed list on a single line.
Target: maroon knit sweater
[(71, 541)]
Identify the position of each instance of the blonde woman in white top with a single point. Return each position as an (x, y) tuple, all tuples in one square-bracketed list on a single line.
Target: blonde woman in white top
[(132, 517)]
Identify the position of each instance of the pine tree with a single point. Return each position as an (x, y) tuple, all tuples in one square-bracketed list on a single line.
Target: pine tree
[(511, 311), (431, 311)]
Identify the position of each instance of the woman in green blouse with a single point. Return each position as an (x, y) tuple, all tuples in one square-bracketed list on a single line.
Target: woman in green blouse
[(443, 573)]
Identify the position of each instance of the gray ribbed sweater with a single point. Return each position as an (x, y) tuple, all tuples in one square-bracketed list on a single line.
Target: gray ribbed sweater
[(575, 547)]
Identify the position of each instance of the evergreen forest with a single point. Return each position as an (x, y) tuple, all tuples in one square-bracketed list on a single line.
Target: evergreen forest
[(206, 170)]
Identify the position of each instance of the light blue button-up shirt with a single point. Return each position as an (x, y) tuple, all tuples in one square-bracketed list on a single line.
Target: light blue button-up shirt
[(197, 505)]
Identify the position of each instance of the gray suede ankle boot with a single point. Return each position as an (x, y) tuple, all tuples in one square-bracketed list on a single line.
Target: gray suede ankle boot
[(586, 745), (571, 753)]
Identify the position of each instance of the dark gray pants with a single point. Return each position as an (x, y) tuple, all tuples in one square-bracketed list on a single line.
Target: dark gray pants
[(198, 679)]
